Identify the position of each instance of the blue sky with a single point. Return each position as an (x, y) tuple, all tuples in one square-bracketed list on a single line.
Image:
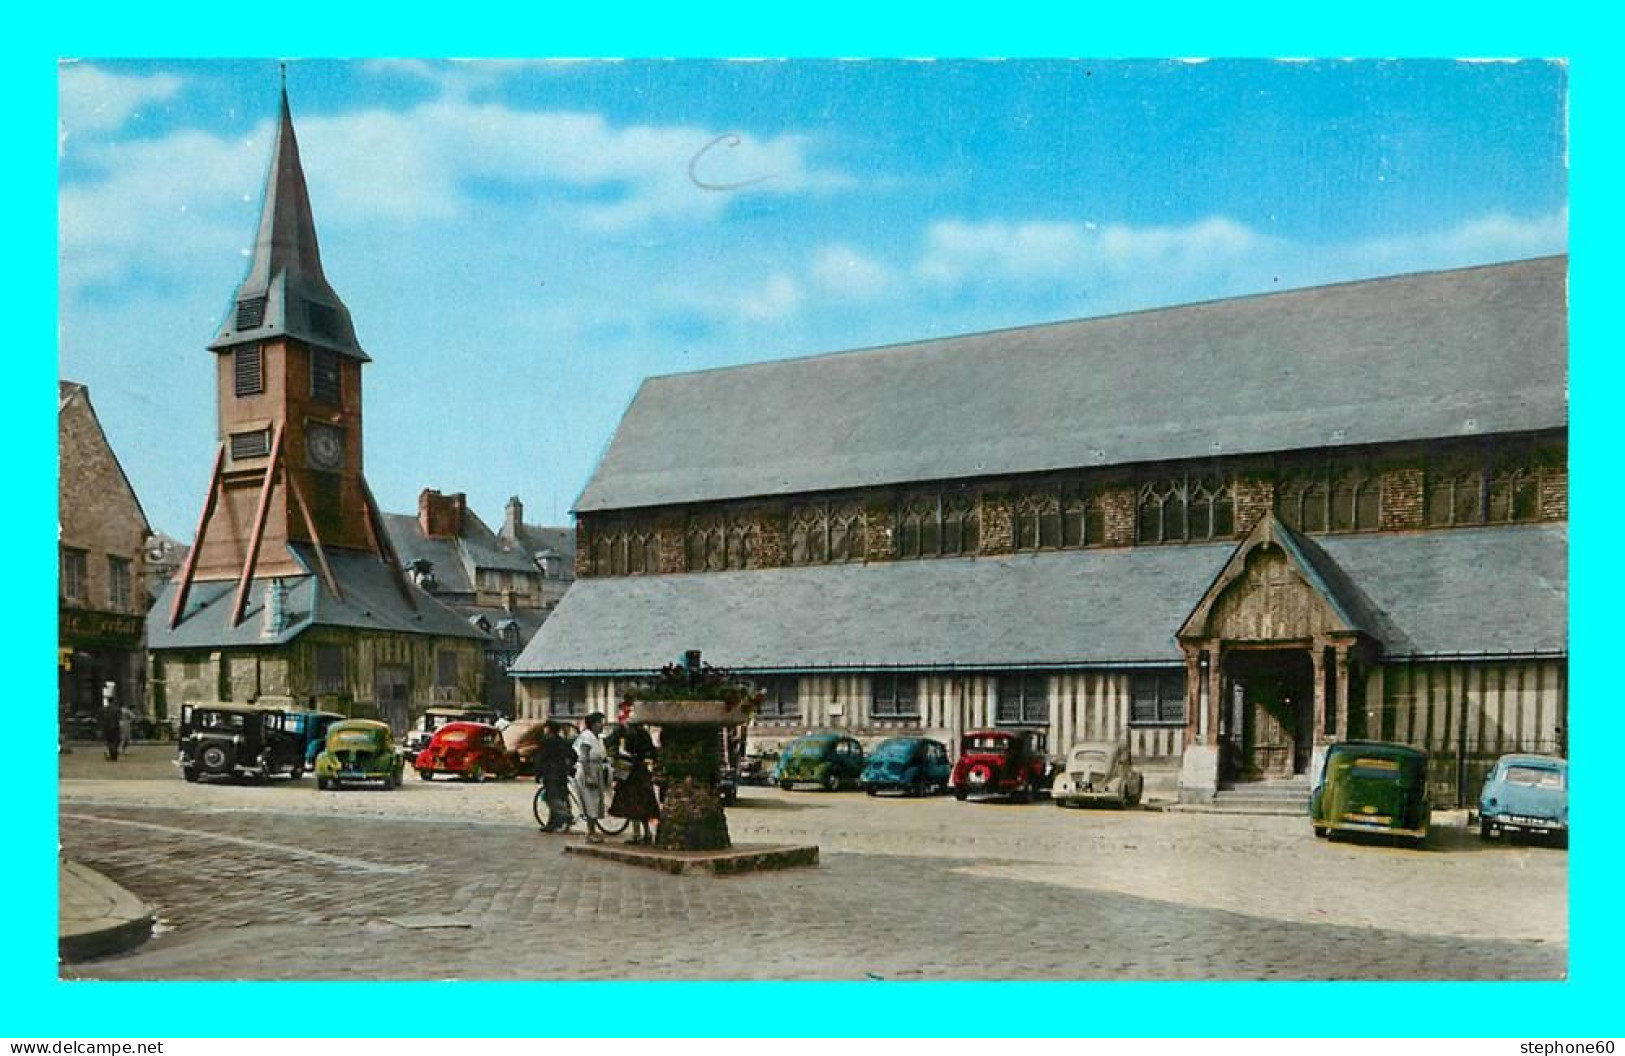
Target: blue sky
[(520, 244)]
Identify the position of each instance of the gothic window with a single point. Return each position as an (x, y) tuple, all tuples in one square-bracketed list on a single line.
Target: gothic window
[(1212, 508), (1514, 488), (1083, 523), (714, 541), (248, 374), (781, 698), (118, 583), (1157, 697), (1064, 516), (936, 524), (325, 385), (1185, 507), (1355, 501), (625, 548), (894, 696), (1023, 700), (1454, 492)]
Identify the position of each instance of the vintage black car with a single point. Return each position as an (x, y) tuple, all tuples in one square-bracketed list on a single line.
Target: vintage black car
[(222, 740)]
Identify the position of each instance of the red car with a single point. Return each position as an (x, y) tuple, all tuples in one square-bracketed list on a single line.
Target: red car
[(468, 749), (1001, 763)]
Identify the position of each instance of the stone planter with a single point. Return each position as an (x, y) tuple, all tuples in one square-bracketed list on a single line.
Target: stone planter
[(664, 713), (691, 813)]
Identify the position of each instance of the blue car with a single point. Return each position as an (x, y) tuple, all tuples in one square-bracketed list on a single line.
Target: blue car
[(1526, 795), (915, 766)]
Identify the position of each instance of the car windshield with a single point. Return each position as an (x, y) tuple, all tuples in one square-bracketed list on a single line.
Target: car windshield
[(896, 750), (813, 748), (1089, 757), (222, 720), (1534, 776)]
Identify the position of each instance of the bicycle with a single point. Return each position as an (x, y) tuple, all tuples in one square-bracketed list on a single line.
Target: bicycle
[(611, 826)]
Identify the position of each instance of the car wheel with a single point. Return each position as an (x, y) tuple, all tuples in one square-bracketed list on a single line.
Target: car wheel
[(321, 783), (296, 773), (1486, 831), (394, 780), (427, 775), (189, 772), (1321, 832), (475, 773), (214, 759), (960, 794), (919, 790), (832, 782)]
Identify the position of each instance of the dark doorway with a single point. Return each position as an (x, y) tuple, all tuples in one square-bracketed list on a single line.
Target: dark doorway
[(1266, 726)]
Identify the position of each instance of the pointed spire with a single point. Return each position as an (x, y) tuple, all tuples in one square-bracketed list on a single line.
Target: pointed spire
[(285, 292)]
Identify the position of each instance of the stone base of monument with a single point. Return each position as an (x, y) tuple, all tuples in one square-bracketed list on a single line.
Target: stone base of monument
[(746, 858)]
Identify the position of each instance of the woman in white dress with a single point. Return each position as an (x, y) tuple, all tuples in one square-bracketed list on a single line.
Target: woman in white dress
[(592, 774)]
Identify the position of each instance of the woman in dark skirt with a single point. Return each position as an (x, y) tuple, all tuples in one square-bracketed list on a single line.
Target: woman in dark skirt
[(635, 793)]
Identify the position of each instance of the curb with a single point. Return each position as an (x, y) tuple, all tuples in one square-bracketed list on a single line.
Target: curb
[(95, 916)]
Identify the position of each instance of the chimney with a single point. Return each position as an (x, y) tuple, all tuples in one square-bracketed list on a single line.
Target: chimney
[(513, 520), (276, 609), (441, 516)]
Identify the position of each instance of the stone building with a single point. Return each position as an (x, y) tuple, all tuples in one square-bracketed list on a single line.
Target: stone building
[(504, 582), (101, 592), (291, 587), (1228, 533)]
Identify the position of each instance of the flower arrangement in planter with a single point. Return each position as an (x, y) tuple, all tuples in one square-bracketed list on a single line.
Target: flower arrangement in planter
[(692, 702)]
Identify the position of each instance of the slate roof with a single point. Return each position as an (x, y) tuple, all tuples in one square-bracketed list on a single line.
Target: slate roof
[(456, 560), (1442, 354), (371, 602), (1436, 594)]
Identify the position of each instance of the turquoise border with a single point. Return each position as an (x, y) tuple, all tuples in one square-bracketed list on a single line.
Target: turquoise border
[(40, 1006)]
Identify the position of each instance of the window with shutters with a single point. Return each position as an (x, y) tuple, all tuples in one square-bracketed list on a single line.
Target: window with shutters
[(1023, 700), (75, 575), (894, 696), (781, 698), (118, 583), (1157, 698), (569, 698), (248, 373)]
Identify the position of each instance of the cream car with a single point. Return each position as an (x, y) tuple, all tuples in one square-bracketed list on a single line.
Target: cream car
[(1098, 772)]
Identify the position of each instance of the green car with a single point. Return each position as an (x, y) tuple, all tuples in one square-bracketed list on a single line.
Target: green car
[(1373, 787), (358, 751)]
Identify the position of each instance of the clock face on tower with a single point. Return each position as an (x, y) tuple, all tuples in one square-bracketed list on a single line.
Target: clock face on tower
[(324, 446)]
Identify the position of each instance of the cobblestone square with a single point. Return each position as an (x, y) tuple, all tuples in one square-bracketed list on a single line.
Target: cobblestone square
[(449, 880)]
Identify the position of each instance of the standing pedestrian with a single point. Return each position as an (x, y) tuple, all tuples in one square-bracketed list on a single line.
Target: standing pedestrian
[(592, 774), (635, 798), (554, 761), (111, 721)]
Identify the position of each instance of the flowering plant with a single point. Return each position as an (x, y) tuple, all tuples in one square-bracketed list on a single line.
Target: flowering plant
[(695, 680)]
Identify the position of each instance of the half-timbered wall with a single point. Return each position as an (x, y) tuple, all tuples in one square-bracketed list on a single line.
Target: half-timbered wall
[(1083, 706), (1468, 713)]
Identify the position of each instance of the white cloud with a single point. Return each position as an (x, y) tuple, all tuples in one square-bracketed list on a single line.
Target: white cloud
[(844, 273), (957, 252), (779, 298), (90, 99)]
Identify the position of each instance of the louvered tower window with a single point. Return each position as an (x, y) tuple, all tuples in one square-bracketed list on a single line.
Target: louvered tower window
[(250, 445), (248, 370), (250, 313), (324, 375)]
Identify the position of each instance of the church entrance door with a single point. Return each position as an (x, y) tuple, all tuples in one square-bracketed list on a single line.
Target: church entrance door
[(1267, 725)]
